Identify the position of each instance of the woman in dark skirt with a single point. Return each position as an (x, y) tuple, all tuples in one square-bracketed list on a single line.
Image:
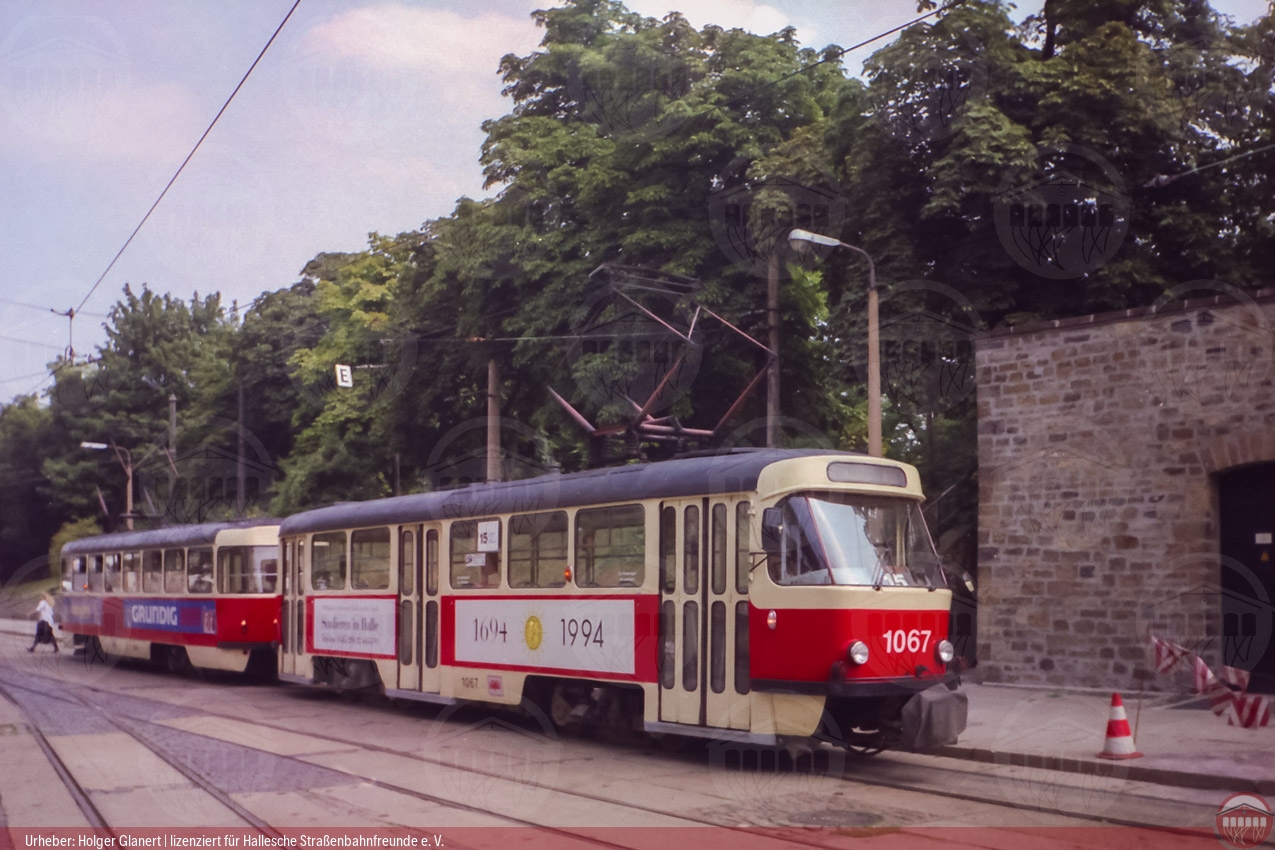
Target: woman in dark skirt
[(44, 624)]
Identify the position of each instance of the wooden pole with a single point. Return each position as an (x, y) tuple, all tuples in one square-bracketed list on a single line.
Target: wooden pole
[(493, 420)]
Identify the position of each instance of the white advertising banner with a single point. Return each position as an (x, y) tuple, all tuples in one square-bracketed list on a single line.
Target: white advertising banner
[(589, 635), (354, 626)]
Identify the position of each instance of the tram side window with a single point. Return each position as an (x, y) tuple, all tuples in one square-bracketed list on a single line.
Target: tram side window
[(370, 559), (431, 562), (538, 550), (112, 573), (300, 566), (328, 570), (79, 574), (199, 571), (470, 567), (153, 571), (95, 574), (668, 550), (247, 569), (132, 572), (743, 549), (611, 547), (174, 571)]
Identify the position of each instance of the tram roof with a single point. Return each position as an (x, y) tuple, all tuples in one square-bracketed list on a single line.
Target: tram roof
[(691, 476), (155, 538)]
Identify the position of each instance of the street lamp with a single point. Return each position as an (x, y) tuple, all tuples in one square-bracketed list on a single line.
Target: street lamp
[(801, 237), (126, 460)]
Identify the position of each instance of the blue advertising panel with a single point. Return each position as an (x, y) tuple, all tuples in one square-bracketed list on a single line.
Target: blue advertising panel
[(188, 616)]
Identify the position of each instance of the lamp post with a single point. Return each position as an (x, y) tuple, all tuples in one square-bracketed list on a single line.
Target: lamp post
[(800, 238), (126, 460)]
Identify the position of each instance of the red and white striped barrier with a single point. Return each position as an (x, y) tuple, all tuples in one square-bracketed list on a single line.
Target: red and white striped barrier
[(1228, 695)]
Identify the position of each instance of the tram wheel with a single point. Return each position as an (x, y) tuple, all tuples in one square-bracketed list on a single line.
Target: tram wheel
[(177, 661)]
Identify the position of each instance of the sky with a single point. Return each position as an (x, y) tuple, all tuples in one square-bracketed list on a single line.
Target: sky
[(362, 117)]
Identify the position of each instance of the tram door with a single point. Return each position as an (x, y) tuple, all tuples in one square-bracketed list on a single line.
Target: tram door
[(293, 661), (409, 607), (427, 630), (698, 599)]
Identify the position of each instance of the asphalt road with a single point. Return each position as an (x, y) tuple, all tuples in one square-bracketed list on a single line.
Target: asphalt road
[(118, 744)]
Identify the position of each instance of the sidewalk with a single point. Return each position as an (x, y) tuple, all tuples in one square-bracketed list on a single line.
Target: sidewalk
[(1182, 742)]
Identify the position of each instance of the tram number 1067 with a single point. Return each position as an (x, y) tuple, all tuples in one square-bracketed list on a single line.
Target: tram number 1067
[(916, 640)]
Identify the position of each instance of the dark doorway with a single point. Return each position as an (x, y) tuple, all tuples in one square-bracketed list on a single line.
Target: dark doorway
[(1246, 500)]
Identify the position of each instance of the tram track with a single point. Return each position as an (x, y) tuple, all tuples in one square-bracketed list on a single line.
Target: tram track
[(877, 780), (83, 797)]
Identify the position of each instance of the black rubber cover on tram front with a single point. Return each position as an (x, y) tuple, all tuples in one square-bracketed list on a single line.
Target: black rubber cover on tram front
[(693, 476)]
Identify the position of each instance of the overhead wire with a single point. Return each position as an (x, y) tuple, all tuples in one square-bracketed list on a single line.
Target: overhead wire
[(187, 160)]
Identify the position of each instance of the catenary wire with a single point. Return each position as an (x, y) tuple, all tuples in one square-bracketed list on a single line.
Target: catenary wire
[(188, 158)]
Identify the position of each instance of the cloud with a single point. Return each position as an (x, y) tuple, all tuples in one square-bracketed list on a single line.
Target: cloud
[(743, 14), (400, 38)]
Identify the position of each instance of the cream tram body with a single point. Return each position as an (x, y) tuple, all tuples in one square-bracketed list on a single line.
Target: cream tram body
[(665, 593)]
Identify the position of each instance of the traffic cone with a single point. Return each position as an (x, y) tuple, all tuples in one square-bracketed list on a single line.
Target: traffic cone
[(1119, 743)]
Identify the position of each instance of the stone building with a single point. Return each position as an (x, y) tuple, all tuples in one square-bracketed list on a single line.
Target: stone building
[(1127, 486)]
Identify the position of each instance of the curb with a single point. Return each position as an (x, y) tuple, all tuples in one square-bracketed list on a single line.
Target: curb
[(1136, 773)]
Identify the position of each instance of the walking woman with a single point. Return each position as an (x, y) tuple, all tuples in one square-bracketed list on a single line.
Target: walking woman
[(44, 624)]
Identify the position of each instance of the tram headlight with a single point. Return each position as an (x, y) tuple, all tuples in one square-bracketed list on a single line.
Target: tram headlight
[(858, 652), (945, 651)]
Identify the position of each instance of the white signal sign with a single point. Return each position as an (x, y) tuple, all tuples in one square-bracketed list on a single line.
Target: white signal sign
[(344, 375)]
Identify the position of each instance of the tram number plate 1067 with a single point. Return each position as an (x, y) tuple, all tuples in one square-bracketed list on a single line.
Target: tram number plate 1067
[(587, 635)]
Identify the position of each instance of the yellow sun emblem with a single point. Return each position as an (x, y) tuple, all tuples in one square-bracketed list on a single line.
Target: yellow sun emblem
[(533, 632)]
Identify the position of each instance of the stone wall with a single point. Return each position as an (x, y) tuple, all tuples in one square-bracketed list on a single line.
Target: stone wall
[(1098, 440)]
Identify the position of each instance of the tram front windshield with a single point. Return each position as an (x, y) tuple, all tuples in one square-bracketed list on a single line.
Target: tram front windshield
[(852, 540)]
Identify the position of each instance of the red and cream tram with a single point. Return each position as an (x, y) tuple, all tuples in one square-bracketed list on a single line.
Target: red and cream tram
[(758, 595), (205, 595)]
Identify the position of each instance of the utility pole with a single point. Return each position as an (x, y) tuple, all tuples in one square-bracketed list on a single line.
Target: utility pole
[(239, 467), (172, 426), (493, 420), (772, 324), (126, 460)]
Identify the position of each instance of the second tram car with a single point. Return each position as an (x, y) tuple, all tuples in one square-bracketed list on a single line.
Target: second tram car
[(202, 596), (763, 595)]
